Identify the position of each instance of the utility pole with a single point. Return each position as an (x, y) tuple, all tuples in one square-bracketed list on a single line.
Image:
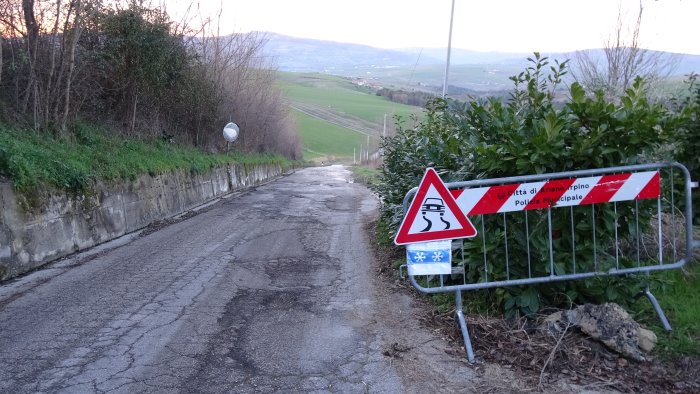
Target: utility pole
[(368, 147), (449, 49), (384, 131)]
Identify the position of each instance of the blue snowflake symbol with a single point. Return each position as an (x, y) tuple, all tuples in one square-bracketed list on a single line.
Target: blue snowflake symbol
[(437, 256), (420, 256)]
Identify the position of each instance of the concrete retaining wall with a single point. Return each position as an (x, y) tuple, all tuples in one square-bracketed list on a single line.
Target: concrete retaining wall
[(66, 224)]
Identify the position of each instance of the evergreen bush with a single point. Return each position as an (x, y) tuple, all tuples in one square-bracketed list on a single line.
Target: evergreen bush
[(534, 132)]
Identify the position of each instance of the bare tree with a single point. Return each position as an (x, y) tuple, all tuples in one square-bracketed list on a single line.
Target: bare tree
[(622, 60), (52, 68), (1, 44), (74, 36), (245, 90), (9, 31), (129, 64), (41, 39), (32, 32), (3, 31)]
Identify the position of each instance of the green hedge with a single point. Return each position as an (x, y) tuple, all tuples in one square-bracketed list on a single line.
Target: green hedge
[(536, 131)]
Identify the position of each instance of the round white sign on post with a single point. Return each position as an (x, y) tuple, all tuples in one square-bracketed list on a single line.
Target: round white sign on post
[(231, 131)]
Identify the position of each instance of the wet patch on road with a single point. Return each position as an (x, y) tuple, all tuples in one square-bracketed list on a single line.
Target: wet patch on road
[(255, 349)]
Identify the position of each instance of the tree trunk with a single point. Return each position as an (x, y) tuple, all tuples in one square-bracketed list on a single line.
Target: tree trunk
[(32, 46), (49, 99), (132, 126), (77, 29), (1, 58)]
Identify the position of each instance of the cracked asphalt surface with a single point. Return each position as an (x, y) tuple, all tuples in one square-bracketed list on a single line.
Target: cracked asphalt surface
[(274, 290)]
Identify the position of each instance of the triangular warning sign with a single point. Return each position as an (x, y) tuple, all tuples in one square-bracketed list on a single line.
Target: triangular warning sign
[(433, 214)]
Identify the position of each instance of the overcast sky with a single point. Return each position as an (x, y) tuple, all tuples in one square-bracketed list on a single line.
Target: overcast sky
[(485, 25)]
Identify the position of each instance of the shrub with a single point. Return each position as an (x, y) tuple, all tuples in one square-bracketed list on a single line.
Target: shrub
[(128, 66), (531, 133), (687, 136)]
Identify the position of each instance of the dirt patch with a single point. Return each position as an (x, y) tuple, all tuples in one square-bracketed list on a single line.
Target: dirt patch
[(514, 356), (418, 340)]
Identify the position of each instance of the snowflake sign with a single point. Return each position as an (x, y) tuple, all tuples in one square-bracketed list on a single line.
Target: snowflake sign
[(429, 258)]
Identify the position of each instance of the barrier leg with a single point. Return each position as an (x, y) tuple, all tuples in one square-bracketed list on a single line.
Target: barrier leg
[(659, 311), (463, 326)]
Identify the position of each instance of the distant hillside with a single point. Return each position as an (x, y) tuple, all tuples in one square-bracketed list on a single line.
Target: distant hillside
[(685, 63), (307, 55), (416, 68), (467, 56)]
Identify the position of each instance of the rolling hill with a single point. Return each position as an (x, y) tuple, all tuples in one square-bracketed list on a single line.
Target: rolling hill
[(418, 68), (338, 119), (330, 86)]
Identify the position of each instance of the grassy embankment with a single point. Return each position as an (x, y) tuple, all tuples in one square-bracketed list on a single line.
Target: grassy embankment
[(33, 162), (335, 117)]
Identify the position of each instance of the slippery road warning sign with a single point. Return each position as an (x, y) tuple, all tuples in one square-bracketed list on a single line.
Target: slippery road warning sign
[(433, 214)]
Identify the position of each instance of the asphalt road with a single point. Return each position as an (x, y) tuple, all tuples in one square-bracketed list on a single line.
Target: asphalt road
[(274, 290)]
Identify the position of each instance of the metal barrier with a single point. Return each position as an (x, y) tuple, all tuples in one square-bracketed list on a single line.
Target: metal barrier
[(564, 239)]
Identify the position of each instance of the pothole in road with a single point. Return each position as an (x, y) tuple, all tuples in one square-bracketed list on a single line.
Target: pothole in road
[(303, 273), (267, 335), (341, 204)]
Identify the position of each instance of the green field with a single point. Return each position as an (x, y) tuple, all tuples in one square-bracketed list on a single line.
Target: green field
[(340, 93), (323, 140), (334, 115), (479, 77)]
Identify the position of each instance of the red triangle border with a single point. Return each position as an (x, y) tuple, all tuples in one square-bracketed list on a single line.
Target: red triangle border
[(431, 177)]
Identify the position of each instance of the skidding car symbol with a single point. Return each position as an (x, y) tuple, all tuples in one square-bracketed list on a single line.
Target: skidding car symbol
[(433, 205)]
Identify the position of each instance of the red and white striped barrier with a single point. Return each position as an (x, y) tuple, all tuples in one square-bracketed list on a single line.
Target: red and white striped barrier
[(558, 193)]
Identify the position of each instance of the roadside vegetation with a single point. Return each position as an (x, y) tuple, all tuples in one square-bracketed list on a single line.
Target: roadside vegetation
[(96, 90), (679, 294), (38, 163), (365, 175), (531, 134)]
